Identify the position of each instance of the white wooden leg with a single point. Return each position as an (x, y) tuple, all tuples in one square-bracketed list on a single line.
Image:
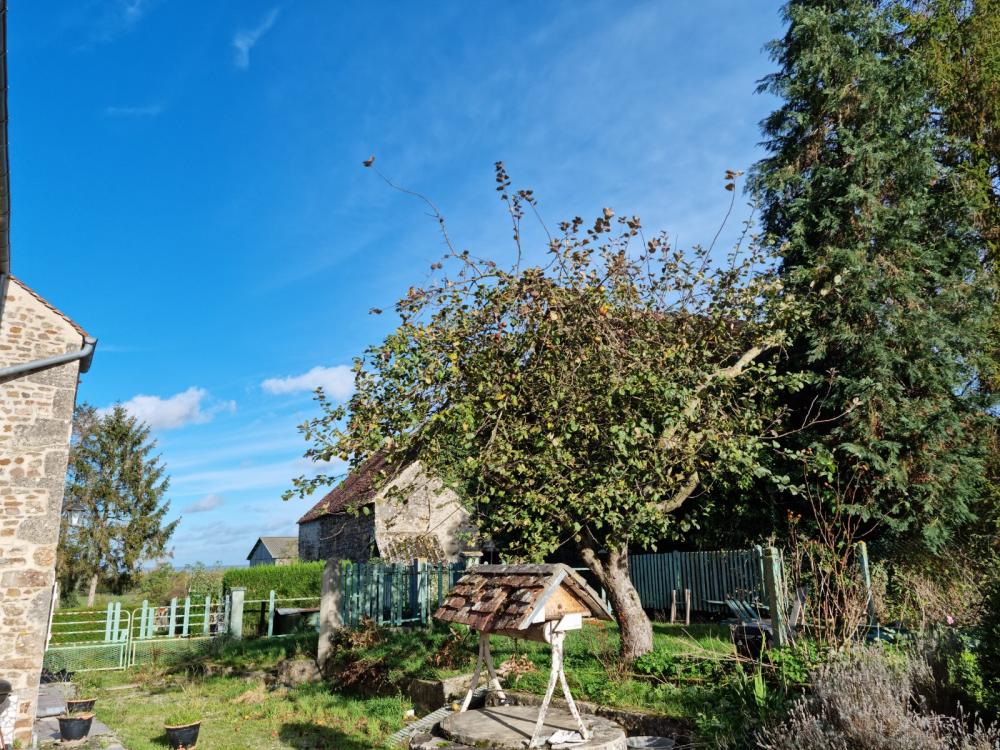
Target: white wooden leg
[(584, 732), (493, 683), (536, 740), (475, 677)]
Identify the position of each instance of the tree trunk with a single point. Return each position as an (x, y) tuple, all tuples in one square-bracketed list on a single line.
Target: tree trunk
[(633, 624), (92, 591)]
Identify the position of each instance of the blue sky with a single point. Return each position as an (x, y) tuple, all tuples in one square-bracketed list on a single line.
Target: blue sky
[(187, 184)]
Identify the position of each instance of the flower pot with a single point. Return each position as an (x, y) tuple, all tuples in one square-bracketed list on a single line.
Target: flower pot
[(183, 736), (80, 705), (72, 728)]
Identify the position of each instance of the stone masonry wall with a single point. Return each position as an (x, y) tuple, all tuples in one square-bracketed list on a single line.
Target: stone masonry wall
[(341, 536), (415, 503), (36, 415)]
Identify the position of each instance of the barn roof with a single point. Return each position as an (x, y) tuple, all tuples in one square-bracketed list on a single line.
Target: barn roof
[(507, 597), (358, 488), (278, 547)]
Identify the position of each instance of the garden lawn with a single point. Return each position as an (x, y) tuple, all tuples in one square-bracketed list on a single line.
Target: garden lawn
[(675, 680), (238, 711)]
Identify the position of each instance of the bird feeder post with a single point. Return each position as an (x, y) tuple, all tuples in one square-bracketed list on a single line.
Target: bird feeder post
[(557, 674), (533, 602)]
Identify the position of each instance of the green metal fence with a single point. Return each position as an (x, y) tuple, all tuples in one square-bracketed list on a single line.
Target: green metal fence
[(395, 595), (711, 577), (262, 617), (115, 638)]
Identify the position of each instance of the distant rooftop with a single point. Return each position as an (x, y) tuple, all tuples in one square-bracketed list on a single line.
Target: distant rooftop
[(279, 547)]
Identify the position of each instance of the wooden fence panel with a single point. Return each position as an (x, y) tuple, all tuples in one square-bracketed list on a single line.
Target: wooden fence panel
[(395, 595), (712, 577)]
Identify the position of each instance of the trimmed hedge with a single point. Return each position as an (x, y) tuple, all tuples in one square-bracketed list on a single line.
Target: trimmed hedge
[(287, 581)]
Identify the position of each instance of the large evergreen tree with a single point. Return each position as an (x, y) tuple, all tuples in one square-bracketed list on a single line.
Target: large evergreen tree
[(116, 477), (867, 213)]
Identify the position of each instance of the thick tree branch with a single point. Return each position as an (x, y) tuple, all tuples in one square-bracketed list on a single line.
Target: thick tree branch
[(682, 494)]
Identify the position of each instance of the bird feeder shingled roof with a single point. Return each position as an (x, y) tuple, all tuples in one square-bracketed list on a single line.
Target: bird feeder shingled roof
[(508, 598)]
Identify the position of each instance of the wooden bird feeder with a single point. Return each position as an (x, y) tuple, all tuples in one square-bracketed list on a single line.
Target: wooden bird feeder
[(533, 602)]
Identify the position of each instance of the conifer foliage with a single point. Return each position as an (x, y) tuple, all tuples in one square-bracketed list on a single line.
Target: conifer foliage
[(865, 212), (118, 479)]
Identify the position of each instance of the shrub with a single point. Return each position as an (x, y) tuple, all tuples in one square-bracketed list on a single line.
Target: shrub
[(287, 581), (866, 701), (954, 667), (989, 647)]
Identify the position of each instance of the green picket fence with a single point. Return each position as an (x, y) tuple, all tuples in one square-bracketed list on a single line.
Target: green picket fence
[(711, 578), (395, 595)]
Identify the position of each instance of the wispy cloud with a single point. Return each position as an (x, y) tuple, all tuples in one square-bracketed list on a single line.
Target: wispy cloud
[(337, 382), (270, 476), (103, 22), (188, 407), (147, 110), (246, 39), (207, 503)]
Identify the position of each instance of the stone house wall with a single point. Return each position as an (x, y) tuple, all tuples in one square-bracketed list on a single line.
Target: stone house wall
[(36, 414), (416, 503), (341, 536), (412, 504)]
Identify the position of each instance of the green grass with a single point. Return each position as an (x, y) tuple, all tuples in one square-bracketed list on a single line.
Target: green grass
[(676, 680), (238, 711), (686, 677)]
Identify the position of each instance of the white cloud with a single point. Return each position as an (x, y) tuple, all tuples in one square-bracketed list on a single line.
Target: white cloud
[(276, 476), (207, 503), (246, 39), (108, 20), (187, 407), (147, 110), (337, 382)]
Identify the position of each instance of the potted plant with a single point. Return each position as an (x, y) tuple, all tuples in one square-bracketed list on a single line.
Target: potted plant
[(182, 728), (75, 725), (82, 701)]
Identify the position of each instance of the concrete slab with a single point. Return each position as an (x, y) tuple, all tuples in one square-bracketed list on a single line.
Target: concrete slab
[(52, 698), (510, 727), (47, 729)]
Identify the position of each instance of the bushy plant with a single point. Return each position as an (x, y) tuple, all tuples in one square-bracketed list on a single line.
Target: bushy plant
[(182, 717), (989, 647), (868, 700), (957, 681), (287, 581)]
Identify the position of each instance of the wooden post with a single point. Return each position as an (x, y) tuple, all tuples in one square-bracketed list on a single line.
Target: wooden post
[(413, 590), (187, 617), (236, 598), (206, 622), (172, 622), (270, 614), (142, 619), (687, 606), (118, 622), (867, 577), (331, 614), (673, 606), (423, 593), (774, 587)]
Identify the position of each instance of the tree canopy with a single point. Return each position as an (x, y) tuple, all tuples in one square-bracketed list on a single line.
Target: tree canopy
[(581, 400), (864, 203), (118, 479)]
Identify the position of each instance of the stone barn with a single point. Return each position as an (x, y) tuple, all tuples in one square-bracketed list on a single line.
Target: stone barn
[(409, 515)]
